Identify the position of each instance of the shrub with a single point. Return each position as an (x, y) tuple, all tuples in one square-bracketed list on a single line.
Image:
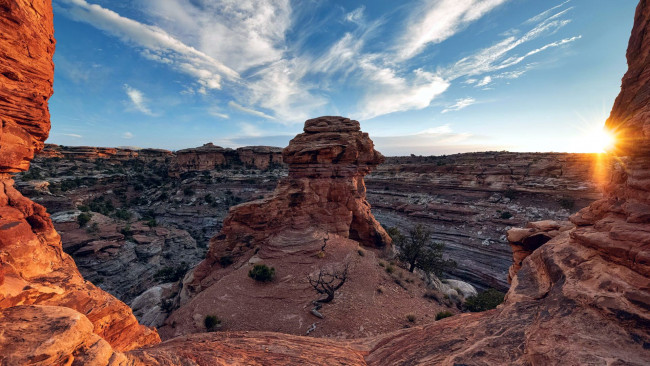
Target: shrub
[(123, 214), (262, 273), (225, 261), (418, 251), (83, 218), (486, 300), (84, 208), (361, 252), (505, 215), (188, 191), (152, 223), (566, 203), (93, 229), (172, 274), (211, 322), (411, 318), (510, 193), (444, 314), (390, 268)]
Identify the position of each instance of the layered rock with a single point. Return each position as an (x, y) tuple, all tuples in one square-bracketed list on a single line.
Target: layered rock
[(33, 267), (211, 157), (524, 241), (324, 191)]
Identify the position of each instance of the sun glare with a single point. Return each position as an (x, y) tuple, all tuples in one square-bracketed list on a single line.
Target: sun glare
[(595, 141)]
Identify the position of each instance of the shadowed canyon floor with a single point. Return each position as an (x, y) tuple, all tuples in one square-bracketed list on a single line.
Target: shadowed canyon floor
[(592, 277)]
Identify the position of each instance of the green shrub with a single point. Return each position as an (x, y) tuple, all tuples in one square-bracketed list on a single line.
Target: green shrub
[(411, 318), (123, 214), (172, 274), (211, 322), (262, 273), (225, 261), (444, 314), (566, 202), (188, 191), (83, 218), (510, 193), (152, 223), (486, 300), (505, 215), (84, 208)]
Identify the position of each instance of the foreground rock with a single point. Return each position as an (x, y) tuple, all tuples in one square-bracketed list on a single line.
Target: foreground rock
[(33, 267)]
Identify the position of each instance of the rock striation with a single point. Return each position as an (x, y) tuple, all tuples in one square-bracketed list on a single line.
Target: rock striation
[(324, 191), (33, 267), (210, 157)]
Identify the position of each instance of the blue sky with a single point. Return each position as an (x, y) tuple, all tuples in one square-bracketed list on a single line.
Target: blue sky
[(423, 77)]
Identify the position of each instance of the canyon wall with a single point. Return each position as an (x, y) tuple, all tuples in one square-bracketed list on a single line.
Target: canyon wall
[(33, 267)]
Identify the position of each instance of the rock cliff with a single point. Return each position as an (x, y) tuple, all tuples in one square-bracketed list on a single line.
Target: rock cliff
[(33, 267)]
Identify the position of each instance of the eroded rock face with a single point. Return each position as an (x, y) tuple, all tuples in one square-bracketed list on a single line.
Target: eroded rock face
[(324, 191), (524, 241), (33, 267), (210, 157)]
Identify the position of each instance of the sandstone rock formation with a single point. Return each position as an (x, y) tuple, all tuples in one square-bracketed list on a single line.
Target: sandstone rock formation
[(210, 157), (317, 218), (524, 241), (33, 267), (324, 191)]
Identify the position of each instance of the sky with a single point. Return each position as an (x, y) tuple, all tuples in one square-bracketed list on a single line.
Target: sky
[(424, 77)]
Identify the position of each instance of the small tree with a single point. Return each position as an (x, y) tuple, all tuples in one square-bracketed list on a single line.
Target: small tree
[(327, 282), (417, 251)]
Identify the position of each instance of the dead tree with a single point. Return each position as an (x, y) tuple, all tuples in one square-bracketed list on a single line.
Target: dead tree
[(327, 282)]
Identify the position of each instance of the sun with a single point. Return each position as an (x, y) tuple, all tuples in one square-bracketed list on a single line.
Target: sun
[(597, 140)]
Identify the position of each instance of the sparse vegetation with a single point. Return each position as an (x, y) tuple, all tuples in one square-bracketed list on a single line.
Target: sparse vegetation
[(444, 314), (361, 252), (84, 218), (510, 193), (225, 260), (411, 318), (566, 203), (486, 300), (262, 273), (327, 282), (211, 322), (418, 251), (505, 215), (172, 274)]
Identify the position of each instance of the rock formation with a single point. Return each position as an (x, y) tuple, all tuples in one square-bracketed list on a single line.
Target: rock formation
[(210, 157), (524, 241), (324, 191), (33, 267), (317, 218)]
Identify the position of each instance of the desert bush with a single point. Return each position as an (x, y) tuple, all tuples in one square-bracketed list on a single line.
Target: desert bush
[(225, 260), (485, 300), (361, 252), (152, 223), (93, 229), (172, 274), (444, 314), (510, 193), (188, 191), (411, 318), (566, 202), (83, 218), (505, 215), (123, 214), (418, 251), (327, 282), (262, 273), (211, 322)]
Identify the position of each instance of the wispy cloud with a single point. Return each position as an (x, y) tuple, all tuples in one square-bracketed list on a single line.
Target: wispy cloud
[(539, 17), (155, 43), (251, 111), (438, 20), (138, 100), (127, 135), (72, 135), (460, 104), (355, 16)]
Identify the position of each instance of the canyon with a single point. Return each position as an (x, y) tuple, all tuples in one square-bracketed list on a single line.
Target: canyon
[(592, 272)]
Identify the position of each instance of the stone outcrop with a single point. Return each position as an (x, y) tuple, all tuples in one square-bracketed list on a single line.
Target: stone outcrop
[(211, 157), (324, 191), (524, 241), (33, 267)]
